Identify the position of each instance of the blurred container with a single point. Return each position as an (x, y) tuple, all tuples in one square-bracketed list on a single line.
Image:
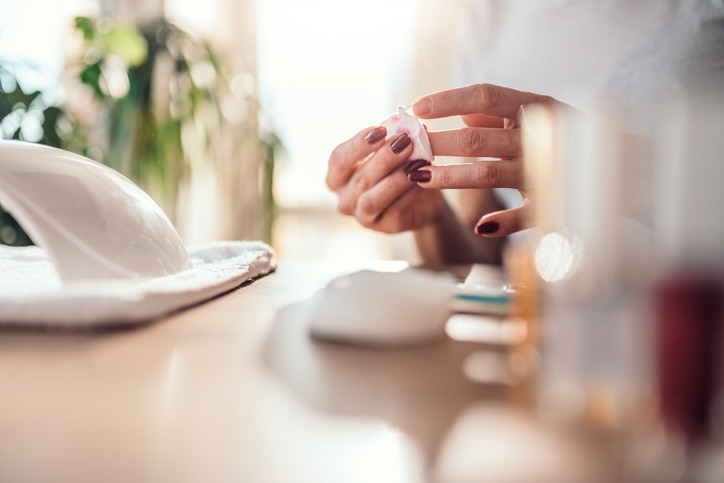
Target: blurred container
[(688, 293), (590, 261)]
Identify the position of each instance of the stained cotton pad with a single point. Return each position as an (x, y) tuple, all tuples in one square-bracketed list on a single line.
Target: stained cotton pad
[(403, 122)]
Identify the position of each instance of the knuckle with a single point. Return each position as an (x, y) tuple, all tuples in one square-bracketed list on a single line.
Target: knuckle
[(345, 207), (488, 174), (542, 100), (387, 228), (488, 95), (547, 101), (359, 183), (365, 221), (329, 181), (366, 209), (333, 168), (445, 176), (388, 223), (472, 141)]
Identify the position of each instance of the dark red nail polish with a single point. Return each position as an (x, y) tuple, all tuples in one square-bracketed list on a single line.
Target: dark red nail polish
[(487, 228), (376, 135), (415, 165), (420, 176), (399, 144)]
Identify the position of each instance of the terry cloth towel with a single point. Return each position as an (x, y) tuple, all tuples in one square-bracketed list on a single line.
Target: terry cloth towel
[(32, 294)]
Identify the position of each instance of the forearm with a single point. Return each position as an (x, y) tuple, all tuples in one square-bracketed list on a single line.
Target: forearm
[(448, 240)]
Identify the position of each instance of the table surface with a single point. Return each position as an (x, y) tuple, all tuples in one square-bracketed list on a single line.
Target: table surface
[(235, 390)]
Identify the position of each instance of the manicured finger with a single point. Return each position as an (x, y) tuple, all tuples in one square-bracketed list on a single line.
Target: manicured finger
[(346, 156), (407, 212), (375, 201), (473, 141), (388, 158), (478, 174), (503, 223), (487, 99)]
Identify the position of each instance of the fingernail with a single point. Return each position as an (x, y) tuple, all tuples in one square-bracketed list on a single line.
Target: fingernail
[(420, 176), (415, 165), (399, 144), (423, 106), (487, 228), (376, 135)]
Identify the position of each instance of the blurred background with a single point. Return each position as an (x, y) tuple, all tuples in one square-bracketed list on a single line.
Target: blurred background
[(225, 111)]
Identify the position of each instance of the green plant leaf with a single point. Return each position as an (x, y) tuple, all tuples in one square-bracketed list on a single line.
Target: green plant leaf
[(5, 106), (87, 27), (52, 137), (91, 76), (126, 42)]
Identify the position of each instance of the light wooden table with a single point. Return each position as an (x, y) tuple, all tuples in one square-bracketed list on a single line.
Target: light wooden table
[(235, 390)]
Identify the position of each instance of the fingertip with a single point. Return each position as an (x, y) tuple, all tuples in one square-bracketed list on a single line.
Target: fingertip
[(376, 135), (487, 228), (422, 106), (400, 143), (413, 166), (420, 175), (500, 223)]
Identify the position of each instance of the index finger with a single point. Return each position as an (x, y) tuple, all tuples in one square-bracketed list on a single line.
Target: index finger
[(346, 156), (487, 99), (478, 174)]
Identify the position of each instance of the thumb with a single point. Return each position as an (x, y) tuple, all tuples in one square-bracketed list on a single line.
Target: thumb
[(505, 222)]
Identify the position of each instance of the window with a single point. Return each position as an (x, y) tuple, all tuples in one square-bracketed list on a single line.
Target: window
[(326, 70)]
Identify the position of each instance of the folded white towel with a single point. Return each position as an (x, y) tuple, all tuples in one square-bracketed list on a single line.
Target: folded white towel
[(32, 294)]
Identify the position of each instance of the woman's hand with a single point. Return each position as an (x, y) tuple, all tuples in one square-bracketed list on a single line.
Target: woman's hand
[(369, 176), (492, 114)]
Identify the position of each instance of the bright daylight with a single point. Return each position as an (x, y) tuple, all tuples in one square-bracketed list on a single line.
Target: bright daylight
[(392, 241)]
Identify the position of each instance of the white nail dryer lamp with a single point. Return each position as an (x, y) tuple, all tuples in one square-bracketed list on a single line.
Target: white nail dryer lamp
[(107, 255), (93, 222)]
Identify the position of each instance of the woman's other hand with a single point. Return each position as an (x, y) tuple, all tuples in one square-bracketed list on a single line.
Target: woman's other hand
[(492, 115), (370, 177)]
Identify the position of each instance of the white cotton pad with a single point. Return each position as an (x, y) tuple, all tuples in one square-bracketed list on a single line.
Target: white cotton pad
[(383, 309), (403, 122)]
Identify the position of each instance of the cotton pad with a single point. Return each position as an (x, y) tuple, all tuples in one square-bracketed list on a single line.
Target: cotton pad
[(403, 122), (383, 309)]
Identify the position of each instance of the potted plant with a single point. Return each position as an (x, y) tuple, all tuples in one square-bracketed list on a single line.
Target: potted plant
[(160, 106)]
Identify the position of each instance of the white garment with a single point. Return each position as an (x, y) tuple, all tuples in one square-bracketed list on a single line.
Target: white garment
[(639, 53), (577, 51), (32, 294)]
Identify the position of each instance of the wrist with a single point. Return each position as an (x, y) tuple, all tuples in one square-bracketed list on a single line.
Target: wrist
[(435, 238)]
